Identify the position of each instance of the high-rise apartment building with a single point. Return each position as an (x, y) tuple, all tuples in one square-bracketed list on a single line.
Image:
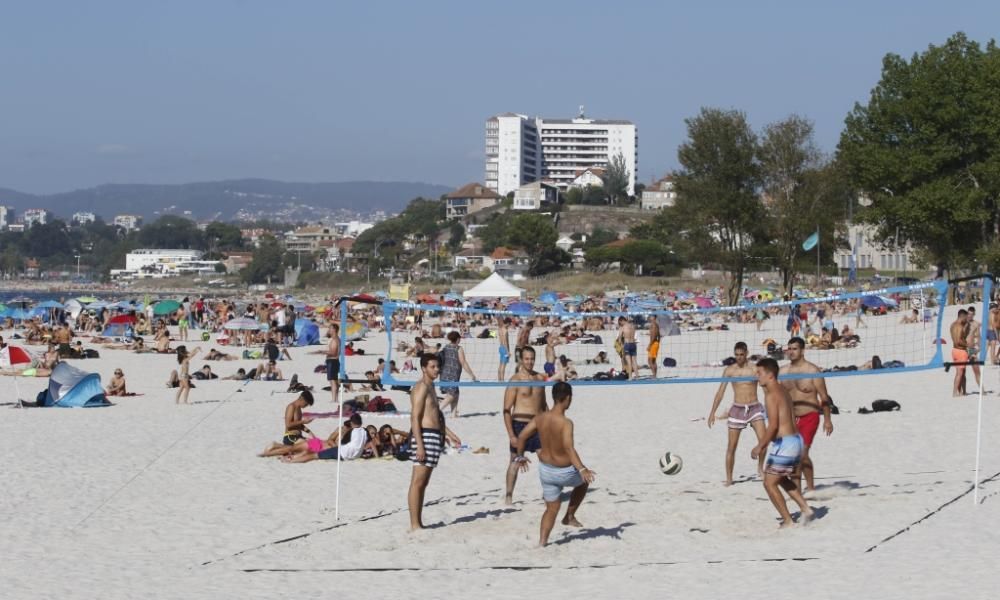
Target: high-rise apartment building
[(522, 149), (6, 216)]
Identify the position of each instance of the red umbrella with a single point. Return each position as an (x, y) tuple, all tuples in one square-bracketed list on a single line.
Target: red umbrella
[(127, 319), (13, 355)]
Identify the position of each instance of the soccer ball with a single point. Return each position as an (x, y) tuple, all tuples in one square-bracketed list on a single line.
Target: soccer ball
[(671, 464)]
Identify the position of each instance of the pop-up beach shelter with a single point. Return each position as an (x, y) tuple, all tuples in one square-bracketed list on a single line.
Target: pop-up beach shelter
[(70, 387), (494, 286), (306, 332)]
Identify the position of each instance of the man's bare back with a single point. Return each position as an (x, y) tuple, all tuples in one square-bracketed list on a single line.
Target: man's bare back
[(556, 433)]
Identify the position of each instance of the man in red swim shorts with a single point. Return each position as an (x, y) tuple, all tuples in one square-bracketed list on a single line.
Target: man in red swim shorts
[(809, 399), (960, 350)]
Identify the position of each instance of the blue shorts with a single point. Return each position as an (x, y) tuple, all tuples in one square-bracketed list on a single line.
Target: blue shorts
[(533, 444), (630, 349), (504, 355), (991, 336), (328, 454), (785, 455), (554, 479), (550, 369)]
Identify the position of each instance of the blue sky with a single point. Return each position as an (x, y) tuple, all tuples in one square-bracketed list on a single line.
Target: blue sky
[(170, 92)]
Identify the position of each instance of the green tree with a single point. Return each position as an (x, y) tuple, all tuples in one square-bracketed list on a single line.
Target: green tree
[(717, 191), (600, 237), (171, 231), (223, 236), (266, 264), (457, 237), (494, 234), (537, 236), (616, 177), (924, 150), (802, 193)]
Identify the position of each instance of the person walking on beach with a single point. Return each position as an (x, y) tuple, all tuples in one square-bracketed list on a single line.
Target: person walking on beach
[(451, 361), (746, 409), (809, 399), (503, 338), (333, 361), (184, 381), (559, 464), (787, 446), (521, 404), (427, 433), (960, 350), (654, 345)]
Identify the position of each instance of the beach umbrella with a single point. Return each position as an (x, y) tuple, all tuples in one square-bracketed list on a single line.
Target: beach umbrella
[(242, 324), (519, 307), (702, 302), (123, 305), (126, 319), (86, 299), (49, 304), (166, 307), (19, 314), (549, 298), (3, 307), (97, 305)]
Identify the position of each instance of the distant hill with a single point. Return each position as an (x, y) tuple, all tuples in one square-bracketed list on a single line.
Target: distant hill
[(230, 200)]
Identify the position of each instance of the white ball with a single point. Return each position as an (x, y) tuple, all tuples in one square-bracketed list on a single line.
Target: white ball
[(671, 464)]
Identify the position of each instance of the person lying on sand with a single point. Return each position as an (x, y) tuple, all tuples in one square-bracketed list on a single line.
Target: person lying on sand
[(214, 354), (355, 439)]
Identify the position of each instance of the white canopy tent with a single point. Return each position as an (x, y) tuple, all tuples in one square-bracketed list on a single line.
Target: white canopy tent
[(494, 286)]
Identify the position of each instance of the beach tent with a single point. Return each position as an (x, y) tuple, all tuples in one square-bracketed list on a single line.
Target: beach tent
[(494, 286), (70, 387), (117, 330), (306, 332)]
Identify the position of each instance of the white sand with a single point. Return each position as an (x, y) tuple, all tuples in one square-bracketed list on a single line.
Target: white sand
[(68, 527)]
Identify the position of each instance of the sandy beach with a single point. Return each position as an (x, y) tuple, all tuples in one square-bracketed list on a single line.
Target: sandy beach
[(147, 499)]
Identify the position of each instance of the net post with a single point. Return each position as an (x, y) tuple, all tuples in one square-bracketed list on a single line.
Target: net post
[(340, 415), (983, 351)]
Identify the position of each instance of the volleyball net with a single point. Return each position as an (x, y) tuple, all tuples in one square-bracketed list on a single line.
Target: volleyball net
[(877, 331)]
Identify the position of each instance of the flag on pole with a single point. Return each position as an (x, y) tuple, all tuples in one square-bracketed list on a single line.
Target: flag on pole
[(811, 241)]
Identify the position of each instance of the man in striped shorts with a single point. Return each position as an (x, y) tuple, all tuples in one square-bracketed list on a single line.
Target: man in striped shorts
[(427, 432), (746, 409)]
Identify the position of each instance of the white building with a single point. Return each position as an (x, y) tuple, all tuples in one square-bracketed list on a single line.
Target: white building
[(872, 252), (6, 216), (353, 228), (82, 218), (128, 222), (35, 216), (591, 176), (139, 259), (533, 196), (522, 150), (659, 195)]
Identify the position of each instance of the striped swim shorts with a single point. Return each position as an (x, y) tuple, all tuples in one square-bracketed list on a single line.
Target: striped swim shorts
[(433, 445)]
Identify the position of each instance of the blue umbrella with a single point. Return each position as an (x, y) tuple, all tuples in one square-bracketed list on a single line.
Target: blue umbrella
[(519, 307), (549, 298), (19, 314), (123, 305), (97, 305), (51, 304)]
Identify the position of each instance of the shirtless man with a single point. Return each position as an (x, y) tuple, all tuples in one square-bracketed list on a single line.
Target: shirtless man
[(295, 425), (503, 337), (427, 429), (333, 361), (523, 341), (746, 409), (559, 465), (960, 350), (973, 342), (654, 344), (551, 343), (627, 335), (809, 398), (788, 448), (521, 404), (62, 337)]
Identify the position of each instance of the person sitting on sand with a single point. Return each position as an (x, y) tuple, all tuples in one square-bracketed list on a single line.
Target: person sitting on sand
[(116, 387), (162, 338), (139, 347), (392, 441), (600, 359), (874, 364), (51, 357), (913, 317), (214, 354), (269, 371)]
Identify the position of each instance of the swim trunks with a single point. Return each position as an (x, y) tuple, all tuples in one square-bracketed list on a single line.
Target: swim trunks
[(291, 437), (451, 391), (785, 455), (504, 355), (533, 444), (554, 479), (314, 444), (433, 444), (550, 369), (741, 415), (807, 425), (333, 369), (654, 349), (328, 454), (991, 335), (630, 349)]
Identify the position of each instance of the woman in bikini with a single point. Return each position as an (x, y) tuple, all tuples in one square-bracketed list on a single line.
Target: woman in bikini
[(184, 382)]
